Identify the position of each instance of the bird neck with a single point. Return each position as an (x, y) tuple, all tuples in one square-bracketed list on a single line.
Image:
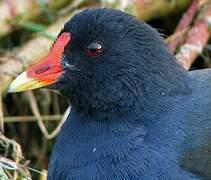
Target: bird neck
[(113, 145), (86, 143), (143, 96), (139, 130)]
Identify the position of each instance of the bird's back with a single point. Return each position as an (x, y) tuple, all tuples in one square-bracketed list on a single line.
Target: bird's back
[(197, 157)]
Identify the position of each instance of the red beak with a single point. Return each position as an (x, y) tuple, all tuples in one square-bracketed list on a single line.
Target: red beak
[(46, 72)]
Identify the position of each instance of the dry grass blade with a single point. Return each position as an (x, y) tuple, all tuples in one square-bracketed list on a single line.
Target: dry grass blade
[(1, 115), (43, 176), (17, 153), (10, 161), (36, 112), (13, 119)]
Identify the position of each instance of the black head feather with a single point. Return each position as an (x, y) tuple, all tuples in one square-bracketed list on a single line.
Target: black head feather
[(135, 62), (136, 86)]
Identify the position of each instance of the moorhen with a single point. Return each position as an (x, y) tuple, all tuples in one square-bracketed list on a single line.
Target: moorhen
[(136, 113)]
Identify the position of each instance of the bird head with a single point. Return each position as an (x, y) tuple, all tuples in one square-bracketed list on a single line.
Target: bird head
[(105, 58)]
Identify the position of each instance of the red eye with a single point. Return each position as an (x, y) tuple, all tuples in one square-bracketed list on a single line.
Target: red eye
[(94, 49)]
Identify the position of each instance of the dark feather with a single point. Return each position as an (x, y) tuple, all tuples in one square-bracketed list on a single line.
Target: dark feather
[(136, 114)]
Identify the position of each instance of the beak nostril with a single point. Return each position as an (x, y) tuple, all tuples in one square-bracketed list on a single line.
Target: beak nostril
[(42, 69)]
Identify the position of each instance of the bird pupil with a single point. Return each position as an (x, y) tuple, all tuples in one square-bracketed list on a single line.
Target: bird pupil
[(94, 49)]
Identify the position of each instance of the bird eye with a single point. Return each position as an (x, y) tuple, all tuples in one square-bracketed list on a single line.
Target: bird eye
[(94, 49)]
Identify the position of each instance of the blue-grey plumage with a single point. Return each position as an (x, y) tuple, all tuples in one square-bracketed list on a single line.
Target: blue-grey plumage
[(136, 113)]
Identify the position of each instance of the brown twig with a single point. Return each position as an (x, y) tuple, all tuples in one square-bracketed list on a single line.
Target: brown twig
[(71, 7), (13, 119), (173, 39), (147, 9), (36, 112), (12, 8), (196, 38), (183, 25), (1, 115)]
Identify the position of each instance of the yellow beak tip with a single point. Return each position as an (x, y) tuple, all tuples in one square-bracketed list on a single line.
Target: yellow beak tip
[(24, 83), (11, 90)]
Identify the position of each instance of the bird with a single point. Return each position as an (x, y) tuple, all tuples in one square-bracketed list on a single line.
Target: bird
[(136, 113)]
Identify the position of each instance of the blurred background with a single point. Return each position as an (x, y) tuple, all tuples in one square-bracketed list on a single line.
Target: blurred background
[(30, 121)]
